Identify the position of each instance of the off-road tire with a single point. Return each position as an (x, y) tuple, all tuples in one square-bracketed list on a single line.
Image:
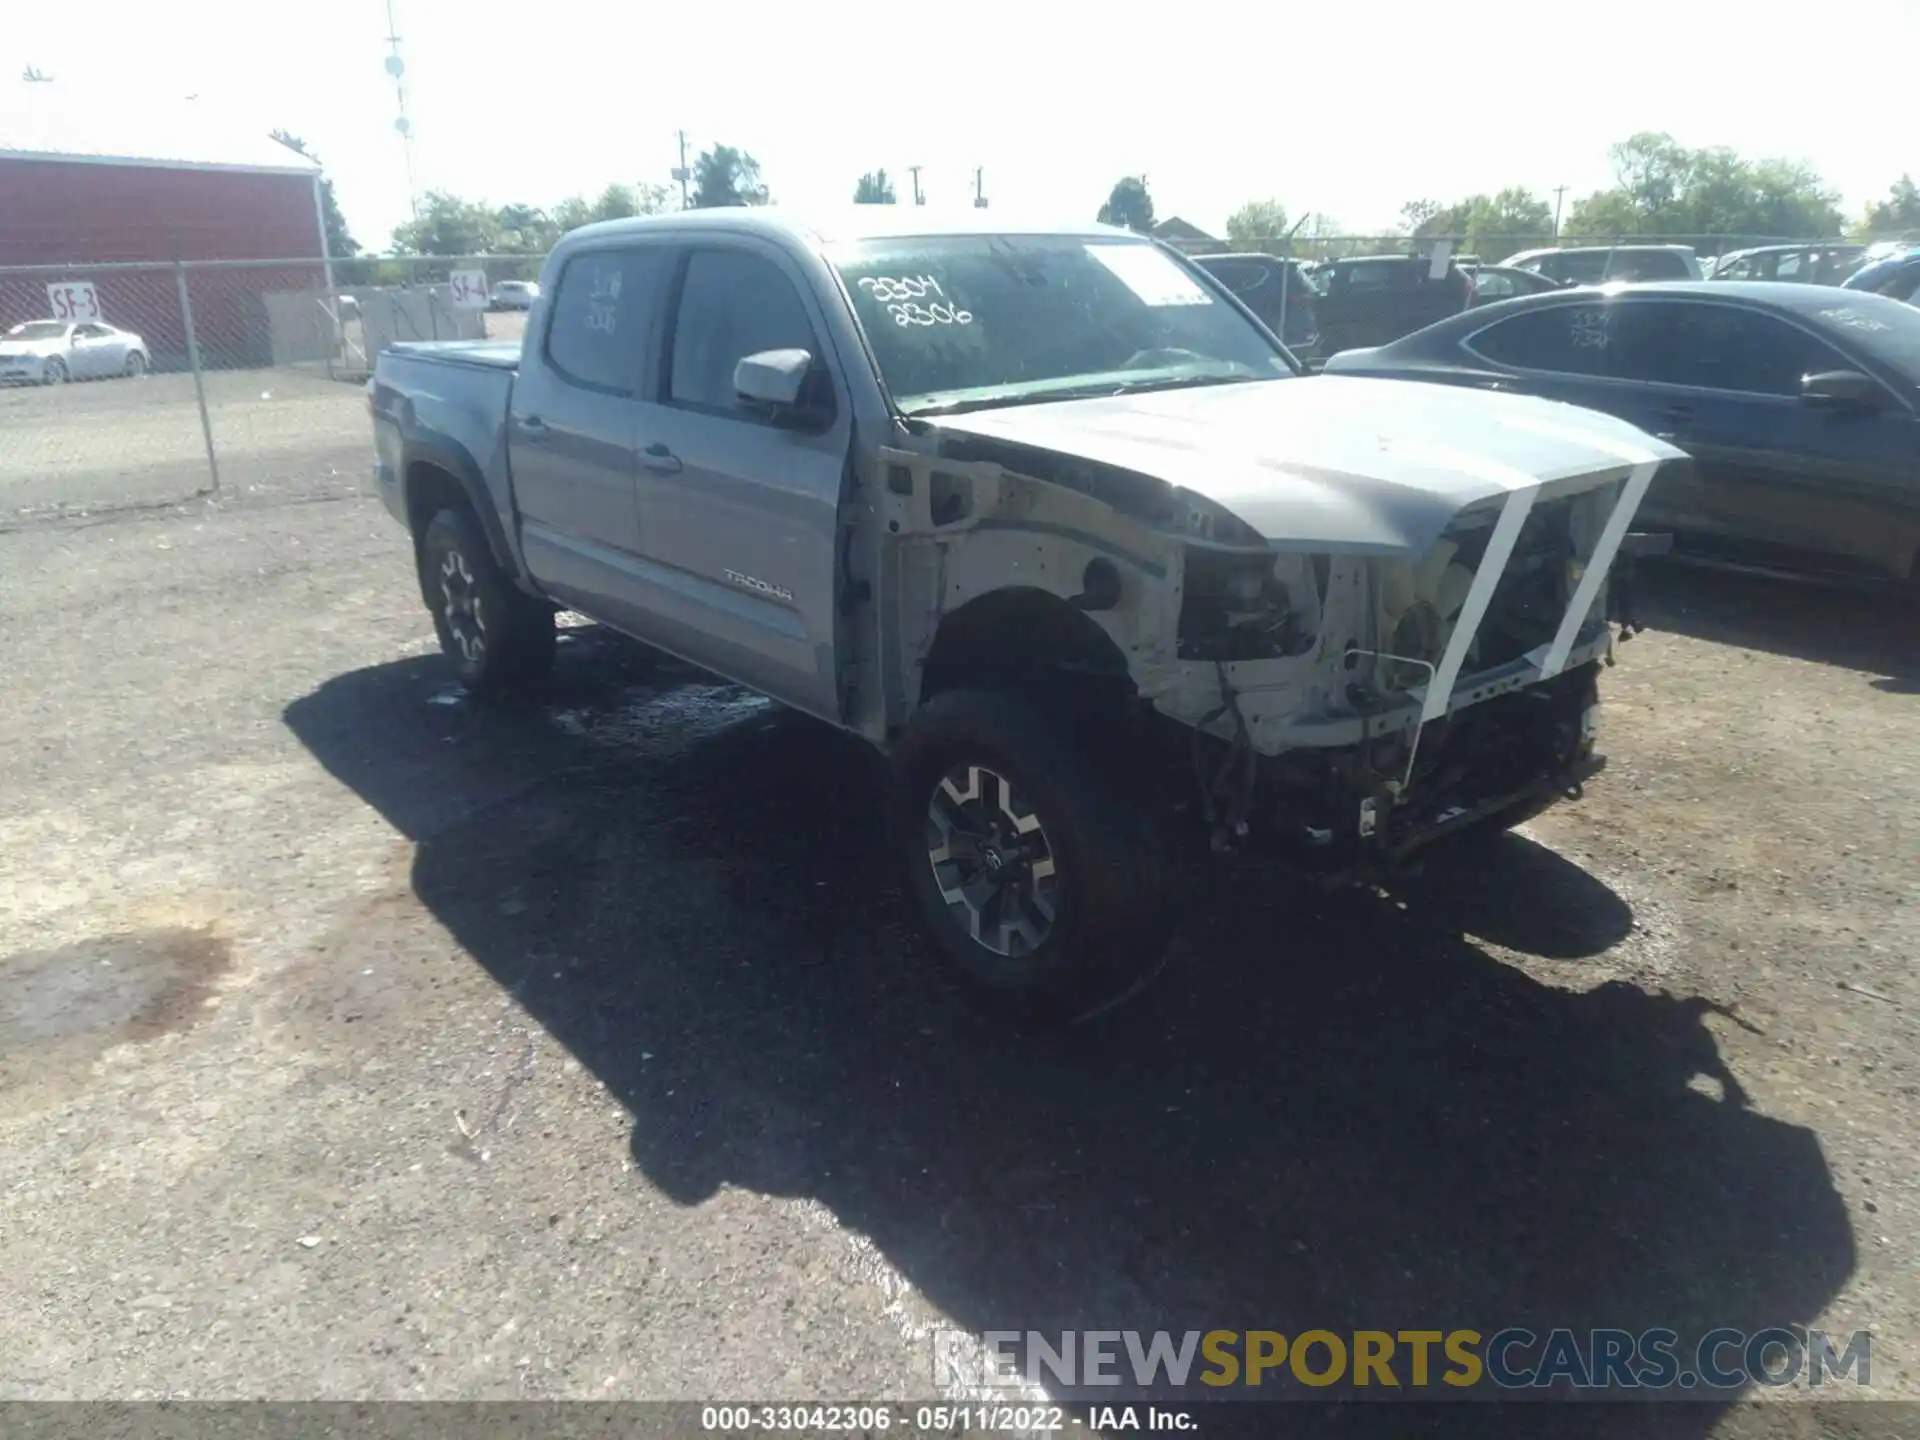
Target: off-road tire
[(496, 636), (1111, 916)]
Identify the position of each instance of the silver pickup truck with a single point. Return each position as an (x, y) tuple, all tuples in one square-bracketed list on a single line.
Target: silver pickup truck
[(1049, 517)]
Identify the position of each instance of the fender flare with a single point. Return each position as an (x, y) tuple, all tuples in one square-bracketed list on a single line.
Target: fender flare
[(446, 454)]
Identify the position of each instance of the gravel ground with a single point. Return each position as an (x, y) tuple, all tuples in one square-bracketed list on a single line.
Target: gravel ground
[(357, 1044), (277, 434)]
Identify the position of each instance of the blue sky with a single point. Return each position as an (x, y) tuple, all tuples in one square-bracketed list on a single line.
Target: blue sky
[(1345, 110)]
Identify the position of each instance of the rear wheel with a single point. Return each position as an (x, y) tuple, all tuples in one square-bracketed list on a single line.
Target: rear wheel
[(136, 365), (1032, 868), (497, 636)]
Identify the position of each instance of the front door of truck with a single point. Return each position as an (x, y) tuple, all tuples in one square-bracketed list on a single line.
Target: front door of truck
[(571, 427), (738, 515)]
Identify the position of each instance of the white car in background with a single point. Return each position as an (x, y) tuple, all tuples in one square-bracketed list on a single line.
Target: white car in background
[(513, 295), (52, 352)]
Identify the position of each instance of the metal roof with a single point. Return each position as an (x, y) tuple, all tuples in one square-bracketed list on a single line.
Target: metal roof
[(54, 122)]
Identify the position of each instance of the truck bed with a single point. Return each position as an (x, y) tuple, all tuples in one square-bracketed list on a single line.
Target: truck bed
[(487, 354)]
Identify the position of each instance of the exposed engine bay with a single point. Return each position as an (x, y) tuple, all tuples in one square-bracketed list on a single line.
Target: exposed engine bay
[(1394, 670)]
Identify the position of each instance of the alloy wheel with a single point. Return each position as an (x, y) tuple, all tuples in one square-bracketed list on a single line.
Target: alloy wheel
[(992, 860)]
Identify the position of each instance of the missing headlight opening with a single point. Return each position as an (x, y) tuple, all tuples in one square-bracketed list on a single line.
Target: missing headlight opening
[(1420, 600), (1247, 606)]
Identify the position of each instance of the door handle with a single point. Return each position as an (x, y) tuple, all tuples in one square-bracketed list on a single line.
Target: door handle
[(660, 459), (533, 427)]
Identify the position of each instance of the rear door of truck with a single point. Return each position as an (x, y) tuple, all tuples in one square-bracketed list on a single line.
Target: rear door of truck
[(572, 426)]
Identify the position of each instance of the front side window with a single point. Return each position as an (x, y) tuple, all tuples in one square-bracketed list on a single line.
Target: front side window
[(1724, 347), (733, 304), (976, 320), (602, 315)]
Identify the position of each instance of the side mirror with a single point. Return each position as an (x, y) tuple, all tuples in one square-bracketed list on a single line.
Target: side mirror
[(1842, 390), (772, 377)]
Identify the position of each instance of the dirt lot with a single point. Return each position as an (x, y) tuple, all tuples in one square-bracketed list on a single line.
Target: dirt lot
[(286, 433), (357, 1044)]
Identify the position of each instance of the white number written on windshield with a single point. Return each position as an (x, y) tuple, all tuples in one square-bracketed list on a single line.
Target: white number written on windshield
[(909, 300)]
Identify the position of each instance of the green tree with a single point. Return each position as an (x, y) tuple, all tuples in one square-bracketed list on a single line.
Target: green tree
[(524, 230), (874, 189), (1258, 225), (1713, 194), (726, 176), (1490, 226), (340, 242), (1129, 204), (622, 202), (1896, 216), (448, 225)]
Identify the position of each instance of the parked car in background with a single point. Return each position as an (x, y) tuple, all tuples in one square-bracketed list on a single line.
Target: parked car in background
[(1371, 299), (1806, 264), (513, 295), (1898, 276), (1267, 285), (52, 352), (1796, 402), (1504, 282), (1592, 264)]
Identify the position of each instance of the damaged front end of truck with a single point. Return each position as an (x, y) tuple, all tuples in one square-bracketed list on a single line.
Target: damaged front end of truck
[(1360, 633)]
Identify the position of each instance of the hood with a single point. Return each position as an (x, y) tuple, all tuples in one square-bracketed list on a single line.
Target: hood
[(1334, 463), (37, 349)]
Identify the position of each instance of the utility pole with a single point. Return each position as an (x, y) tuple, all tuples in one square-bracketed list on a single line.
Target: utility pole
[(1558, 191), (681, 173), (918, 198), (979, 189), (397, 68)]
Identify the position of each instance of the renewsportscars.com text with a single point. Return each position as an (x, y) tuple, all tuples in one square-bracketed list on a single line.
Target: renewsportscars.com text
[(1411, 1360)]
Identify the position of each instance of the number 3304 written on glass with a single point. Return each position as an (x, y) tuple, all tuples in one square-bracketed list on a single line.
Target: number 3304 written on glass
[(915, 300)]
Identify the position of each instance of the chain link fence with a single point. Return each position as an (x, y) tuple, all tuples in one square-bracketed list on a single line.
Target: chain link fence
[(139, 385), (1308, 247)]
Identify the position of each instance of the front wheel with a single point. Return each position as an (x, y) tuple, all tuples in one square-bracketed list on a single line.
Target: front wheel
[(1032, 868), (54, 372), (496, 636)]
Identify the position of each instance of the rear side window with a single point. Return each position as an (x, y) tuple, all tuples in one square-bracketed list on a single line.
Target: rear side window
[(1580, 268), (1649, 265), (1600, 340), (602, 312)]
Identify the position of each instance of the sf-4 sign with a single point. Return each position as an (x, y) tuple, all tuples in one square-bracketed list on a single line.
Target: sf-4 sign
[(72, 301), (469, 289)]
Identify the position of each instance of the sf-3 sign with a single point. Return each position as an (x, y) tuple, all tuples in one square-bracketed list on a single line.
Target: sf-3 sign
[(73, 301)]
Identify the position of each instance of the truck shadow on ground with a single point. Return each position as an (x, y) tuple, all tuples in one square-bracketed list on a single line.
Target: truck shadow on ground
[(1877, 631), (1331, 1111)]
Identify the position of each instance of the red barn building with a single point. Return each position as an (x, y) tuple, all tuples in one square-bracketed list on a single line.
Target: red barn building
[(91, 183)]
